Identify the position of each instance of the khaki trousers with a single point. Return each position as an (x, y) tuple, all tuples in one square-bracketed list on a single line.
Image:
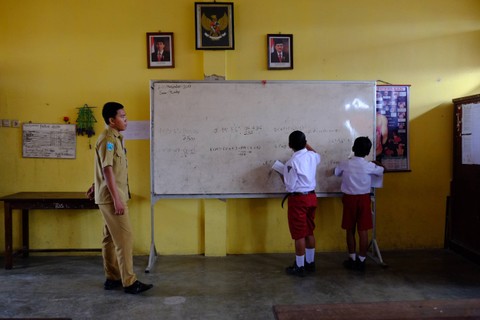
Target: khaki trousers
[(117, 245)]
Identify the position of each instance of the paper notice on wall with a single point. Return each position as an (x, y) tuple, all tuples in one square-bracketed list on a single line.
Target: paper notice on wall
[(377, 181), (137, 130), (471, 134)]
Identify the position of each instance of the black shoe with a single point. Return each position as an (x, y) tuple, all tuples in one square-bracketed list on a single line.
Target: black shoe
[(350, 264), (295, 270), (360, 266), (137, 287), (112, 284), (310, 267)]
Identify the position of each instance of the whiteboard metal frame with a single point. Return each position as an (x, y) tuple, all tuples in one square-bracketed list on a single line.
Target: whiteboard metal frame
[(375, 255)]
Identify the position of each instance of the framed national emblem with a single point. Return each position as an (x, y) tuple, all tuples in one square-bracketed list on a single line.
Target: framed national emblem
[(214, 26)]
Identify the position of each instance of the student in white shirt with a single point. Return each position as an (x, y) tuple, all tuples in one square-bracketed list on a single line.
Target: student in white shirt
[(300, 181), (356, 174)]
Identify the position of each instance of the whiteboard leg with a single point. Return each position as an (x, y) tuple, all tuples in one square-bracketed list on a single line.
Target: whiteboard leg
[(375, 252), (153, 251), (151, 258)]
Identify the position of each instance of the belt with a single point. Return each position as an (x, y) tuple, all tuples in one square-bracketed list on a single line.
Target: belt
[(302, 193), (296, 194)]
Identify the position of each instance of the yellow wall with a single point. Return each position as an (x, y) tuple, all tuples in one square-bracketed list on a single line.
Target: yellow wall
[(56, 55)]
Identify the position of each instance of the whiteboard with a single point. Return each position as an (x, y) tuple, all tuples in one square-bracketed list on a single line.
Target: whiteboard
[(42, 140), (220, 139)]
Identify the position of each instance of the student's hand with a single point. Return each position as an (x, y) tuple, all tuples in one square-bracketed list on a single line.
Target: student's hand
[(119, 207), (91, 192), (309, 148), (378, 164)]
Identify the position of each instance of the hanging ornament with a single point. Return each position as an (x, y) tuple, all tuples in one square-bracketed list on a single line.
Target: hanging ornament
[(85, 121)]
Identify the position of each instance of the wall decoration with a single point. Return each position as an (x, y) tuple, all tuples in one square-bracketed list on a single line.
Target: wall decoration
[(280, 51), (214, 26), (160, 50), (392, 145), (86, 121)]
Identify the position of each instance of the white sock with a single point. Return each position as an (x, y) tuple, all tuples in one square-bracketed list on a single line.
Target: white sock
[(310, 255), (362, 258), (353, 256), (300, 260)]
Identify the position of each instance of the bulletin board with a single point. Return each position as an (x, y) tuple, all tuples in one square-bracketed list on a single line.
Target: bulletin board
[(56, 141)]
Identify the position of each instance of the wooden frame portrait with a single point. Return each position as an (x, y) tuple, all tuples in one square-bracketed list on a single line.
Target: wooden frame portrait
[(280, 51), (160, 52), (214, 26)]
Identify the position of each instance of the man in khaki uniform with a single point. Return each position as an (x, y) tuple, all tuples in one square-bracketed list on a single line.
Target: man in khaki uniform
[(111, 193)]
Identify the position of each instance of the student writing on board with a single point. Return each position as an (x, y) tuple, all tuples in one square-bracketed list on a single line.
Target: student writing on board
[(357, 174), (300, 181)]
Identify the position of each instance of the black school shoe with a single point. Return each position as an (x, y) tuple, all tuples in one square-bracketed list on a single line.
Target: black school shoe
[(112, 284), (360, 266), (310, 267), (295, 270), (357, 265), (137, 287), (350, 264)]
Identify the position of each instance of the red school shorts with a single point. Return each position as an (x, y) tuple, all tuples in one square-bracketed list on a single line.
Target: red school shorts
[(301, 215), (357, 211)]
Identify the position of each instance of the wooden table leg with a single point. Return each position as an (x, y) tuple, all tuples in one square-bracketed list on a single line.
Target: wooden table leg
[(25, 233), (8, 236)]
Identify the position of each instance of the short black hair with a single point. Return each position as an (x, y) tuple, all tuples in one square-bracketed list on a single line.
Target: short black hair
[(361, 146), (110, 111), (297, 140)]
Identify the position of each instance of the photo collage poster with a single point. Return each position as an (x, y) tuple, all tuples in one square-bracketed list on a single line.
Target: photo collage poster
[(392, 148)]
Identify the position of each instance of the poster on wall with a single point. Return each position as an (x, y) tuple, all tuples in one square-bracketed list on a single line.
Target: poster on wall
[(42, 140), (471, 134), (392, 145)]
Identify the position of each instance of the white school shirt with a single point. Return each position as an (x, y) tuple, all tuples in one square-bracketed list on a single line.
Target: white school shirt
[(300, 171), (357, 174)]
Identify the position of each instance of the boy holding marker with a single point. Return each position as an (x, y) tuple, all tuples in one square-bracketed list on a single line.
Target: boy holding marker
[(299, 176)]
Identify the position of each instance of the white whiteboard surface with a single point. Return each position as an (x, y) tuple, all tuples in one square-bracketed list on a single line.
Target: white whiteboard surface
[(41, 140), (220, 139)]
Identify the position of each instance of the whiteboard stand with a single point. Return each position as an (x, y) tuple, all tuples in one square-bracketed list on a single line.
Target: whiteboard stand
[(375, 250), (193, 156), (153, 251)]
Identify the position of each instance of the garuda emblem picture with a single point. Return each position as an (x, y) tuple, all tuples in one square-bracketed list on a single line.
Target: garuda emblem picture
[(214, 26)]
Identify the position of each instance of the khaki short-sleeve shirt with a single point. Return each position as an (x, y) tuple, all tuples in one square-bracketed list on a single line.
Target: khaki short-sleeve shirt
[(109, 151)]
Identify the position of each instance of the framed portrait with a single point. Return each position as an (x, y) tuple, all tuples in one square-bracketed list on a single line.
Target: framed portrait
[(280, 51), (160, 50), (214, 26), (392, 147)]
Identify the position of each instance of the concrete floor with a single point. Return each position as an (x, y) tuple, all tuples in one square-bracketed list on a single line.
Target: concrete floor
[(232, 287)]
